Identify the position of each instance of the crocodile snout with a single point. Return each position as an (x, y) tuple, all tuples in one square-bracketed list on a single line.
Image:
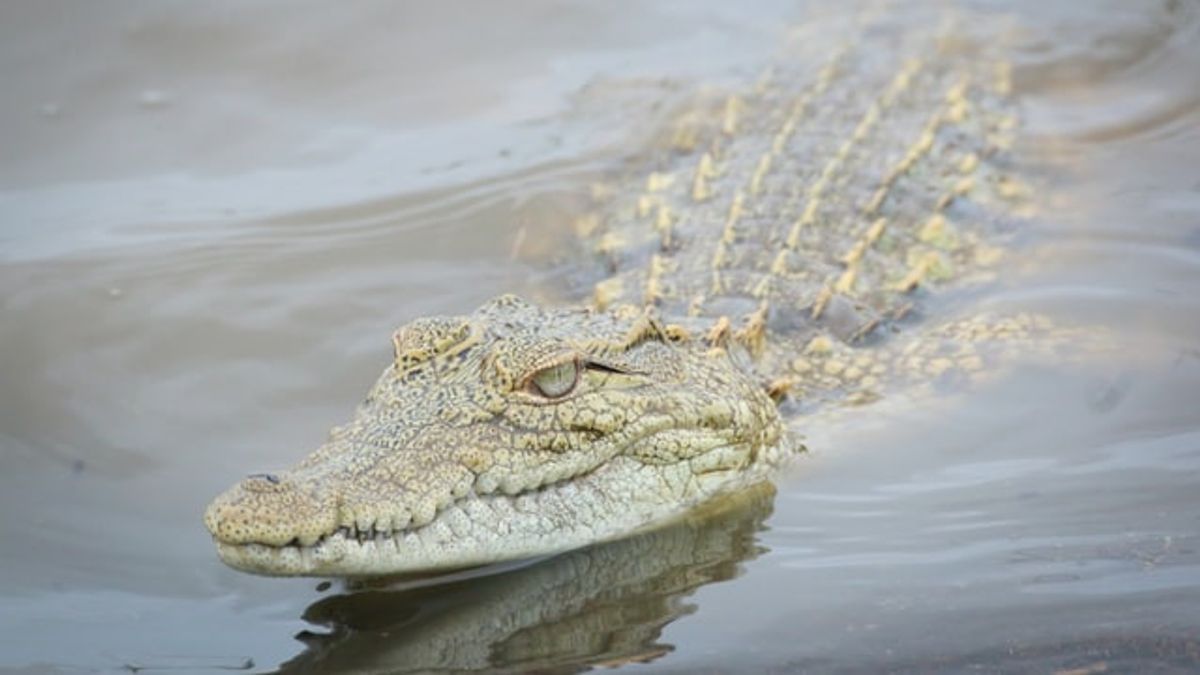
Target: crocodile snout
[(272, 510)]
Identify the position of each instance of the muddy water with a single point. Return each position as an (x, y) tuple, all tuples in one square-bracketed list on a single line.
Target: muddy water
[(212, 218)]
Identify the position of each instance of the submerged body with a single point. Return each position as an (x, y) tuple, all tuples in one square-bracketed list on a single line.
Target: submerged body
[(766, 260)]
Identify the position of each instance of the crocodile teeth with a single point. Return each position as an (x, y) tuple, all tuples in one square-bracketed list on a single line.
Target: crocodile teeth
[(401, 520)]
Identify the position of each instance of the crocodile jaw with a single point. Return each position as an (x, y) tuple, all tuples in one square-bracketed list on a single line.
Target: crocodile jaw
[(622, 497)]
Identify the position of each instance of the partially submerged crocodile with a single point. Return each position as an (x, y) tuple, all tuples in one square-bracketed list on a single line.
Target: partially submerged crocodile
[(767, 262)]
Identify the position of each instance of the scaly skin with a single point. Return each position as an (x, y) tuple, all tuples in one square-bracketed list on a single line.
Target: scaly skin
[(762, 264), (456, 458)]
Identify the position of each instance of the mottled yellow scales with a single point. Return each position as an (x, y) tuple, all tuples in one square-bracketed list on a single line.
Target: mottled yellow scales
[(776, 254)]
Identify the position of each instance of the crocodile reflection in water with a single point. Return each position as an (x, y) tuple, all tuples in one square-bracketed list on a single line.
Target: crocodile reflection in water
[(605, 604)]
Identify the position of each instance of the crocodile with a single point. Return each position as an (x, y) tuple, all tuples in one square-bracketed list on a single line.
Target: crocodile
[(776, 251)]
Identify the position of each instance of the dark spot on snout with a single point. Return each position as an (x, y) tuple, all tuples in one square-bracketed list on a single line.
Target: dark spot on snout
[(269, 477)]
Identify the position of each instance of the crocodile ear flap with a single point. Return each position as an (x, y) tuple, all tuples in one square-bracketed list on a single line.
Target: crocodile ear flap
[(407, 357), (424, 339)]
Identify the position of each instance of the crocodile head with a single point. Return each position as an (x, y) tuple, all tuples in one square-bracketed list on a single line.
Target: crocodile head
[(514, 432)]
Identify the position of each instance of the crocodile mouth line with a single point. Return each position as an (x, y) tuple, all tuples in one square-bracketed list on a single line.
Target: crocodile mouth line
[(348, 543), (352, 535)]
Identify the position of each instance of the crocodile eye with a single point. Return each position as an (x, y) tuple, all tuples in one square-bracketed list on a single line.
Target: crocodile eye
[(556, 381)]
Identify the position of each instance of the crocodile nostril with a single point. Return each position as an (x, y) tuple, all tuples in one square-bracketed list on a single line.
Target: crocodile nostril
[(265, 483)]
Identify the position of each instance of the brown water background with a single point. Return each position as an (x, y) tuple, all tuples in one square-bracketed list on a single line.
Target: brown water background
[(212, 217)]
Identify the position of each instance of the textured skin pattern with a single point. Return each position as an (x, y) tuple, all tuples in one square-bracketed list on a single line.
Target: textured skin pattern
[(765, 260), (458, 458)]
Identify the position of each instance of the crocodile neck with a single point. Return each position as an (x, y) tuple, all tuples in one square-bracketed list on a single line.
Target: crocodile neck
[(809, 215)]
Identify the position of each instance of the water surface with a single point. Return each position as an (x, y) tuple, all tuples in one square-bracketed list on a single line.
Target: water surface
[(212, 218)]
